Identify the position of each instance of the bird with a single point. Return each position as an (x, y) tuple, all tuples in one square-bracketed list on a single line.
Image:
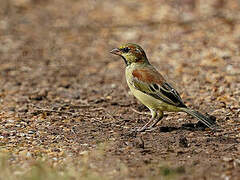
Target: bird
[(151, 89)]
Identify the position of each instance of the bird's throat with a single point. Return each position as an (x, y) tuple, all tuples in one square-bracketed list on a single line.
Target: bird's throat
[(126, 62)]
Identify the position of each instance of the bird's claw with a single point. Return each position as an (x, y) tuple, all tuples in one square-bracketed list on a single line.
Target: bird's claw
[(151, 129), (144, 129)]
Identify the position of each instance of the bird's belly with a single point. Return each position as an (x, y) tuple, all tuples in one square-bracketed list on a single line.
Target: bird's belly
[(152, 102)]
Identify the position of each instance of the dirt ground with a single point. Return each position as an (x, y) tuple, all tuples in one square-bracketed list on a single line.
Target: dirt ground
[(64, 101)]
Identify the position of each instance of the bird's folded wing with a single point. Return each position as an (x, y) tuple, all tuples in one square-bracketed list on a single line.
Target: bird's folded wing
[(149, 81)]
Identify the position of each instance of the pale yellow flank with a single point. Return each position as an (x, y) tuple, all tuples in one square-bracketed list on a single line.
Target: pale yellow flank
[(147, 100)]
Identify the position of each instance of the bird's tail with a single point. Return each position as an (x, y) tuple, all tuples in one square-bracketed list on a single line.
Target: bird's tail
[(204, 119)]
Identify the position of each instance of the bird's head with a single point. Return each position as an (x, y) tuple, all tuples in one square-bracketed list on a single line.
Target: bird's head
[(131, 53)]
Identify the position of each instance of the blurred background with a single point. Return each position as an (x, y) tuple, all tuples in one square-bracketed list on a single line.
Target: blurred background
[(54, 58), (50, 44)]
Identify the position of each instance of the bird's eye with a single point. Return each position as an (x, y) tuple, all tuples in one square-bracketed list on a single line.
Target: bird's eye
[(125, 50)]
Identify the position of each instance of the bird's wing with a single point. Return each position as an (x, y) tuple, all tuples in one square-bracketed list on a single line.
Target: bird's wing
[(149, 81)]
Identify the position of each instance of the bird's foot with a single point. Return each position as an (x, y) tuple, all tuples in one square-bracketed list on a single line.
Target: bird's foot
[(150, 129), (138, 129), (144, 129)]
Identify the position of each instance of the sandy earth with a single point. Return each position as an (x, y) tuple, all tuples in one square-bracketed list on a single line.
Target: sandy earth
[(64, 97)]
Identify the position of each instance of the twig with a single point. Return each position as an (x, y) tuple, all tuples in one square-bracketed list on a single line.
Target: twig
[(81, 106), (229, 147), (60, 112), (97, 109)]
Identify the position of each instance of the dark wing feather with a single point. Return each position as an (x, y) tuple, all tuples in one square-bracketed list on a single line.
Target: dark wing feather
[(172, 94)]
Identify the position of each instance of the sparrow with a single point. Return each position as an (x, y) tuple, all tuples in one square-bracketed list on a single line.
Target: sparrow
[(151, 89)]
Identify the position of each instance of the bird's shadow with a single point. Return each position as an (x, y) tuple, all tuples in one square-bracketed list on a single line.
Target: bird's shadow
[(199, 126), (187, 126)]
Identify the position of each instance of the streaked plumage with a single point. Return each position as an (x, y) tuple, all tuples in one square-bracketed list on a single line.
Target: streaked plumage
[(150, 88)]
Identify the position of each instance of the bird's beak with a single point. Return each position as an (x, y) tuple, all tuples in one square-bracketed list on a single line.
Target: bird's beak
[(116, 51)]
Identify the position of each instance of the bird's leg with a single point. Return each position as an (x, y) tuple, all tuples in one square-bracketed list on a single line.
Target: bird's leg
[(160, 116), (142, 113), (154, 114)]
